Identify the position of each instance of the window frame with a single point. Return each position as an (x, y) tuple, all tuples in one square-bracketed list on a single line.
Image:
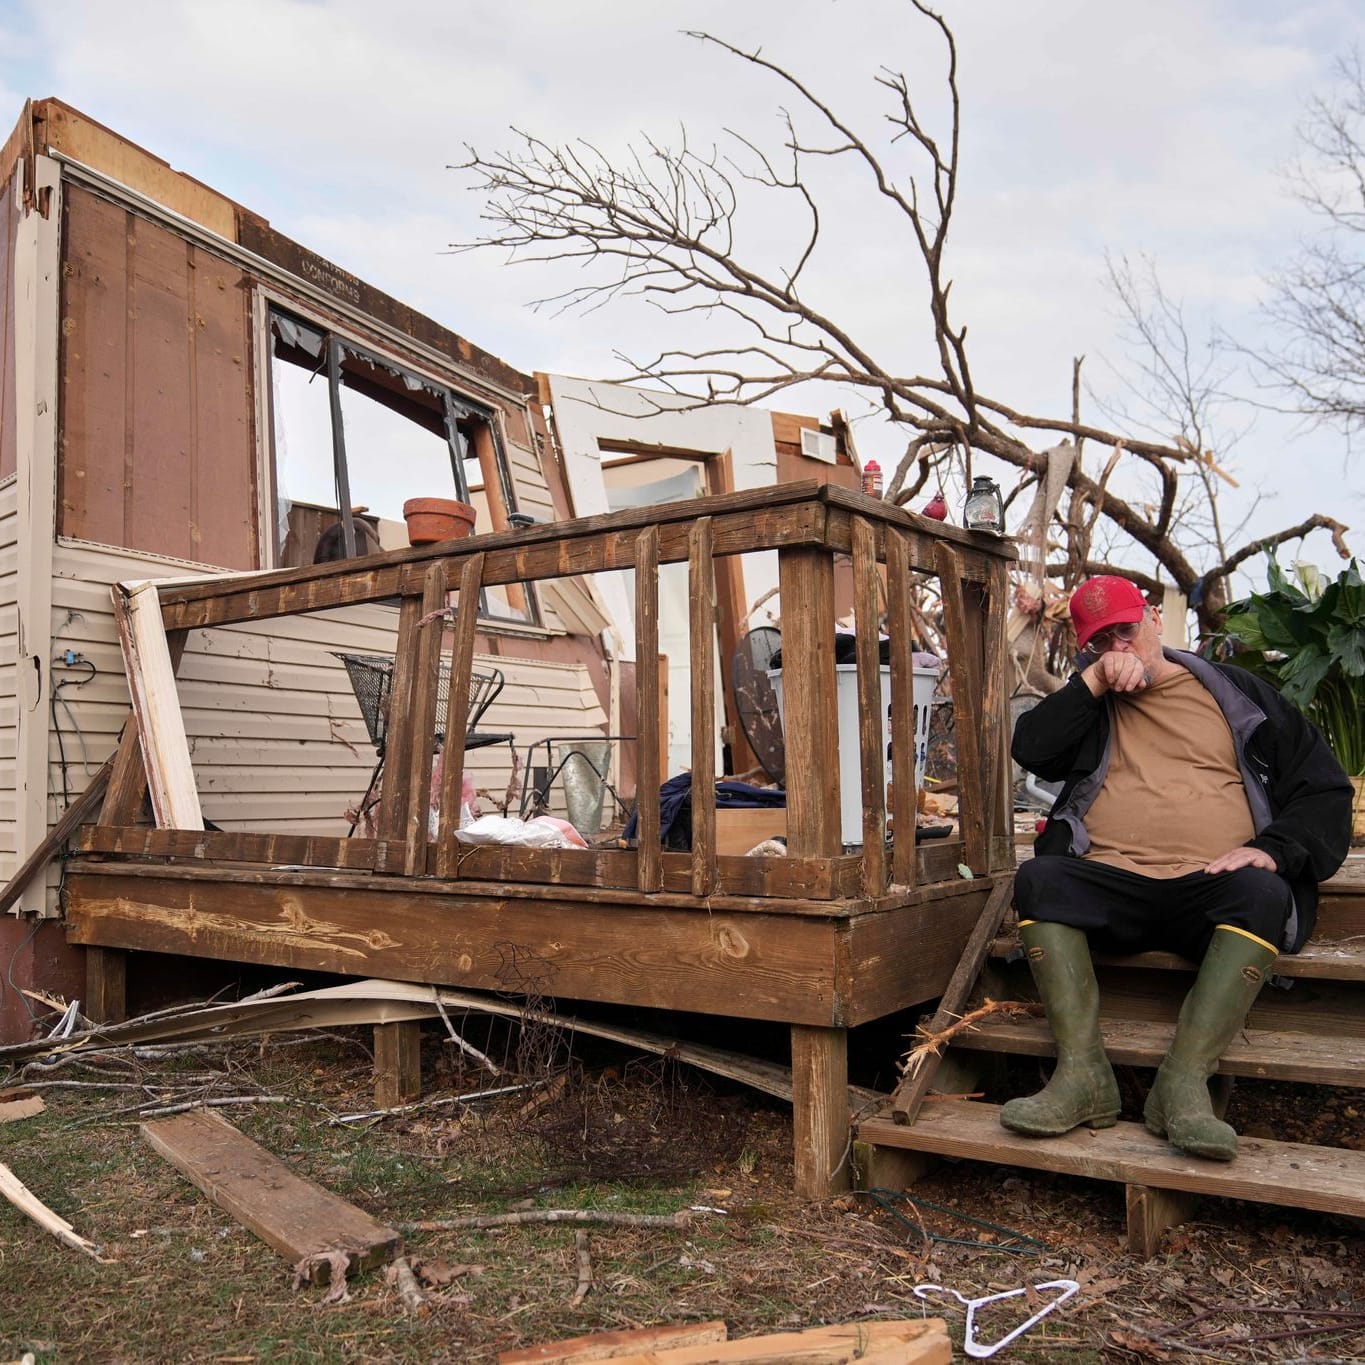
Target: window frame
[(458, 412)]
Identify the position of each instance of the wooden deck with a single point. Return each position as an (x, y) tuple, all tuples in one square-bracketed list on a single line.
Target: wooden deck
[(820, 940)]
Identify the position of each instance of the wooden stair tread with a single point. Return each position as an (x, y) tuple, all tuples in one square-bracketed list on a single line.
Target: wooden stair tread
[(1322, 1059), (1291, 1174), (1320, 959)]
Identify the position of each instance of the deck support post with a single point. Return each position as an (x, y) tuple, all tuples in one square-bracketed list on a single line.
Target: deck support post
[(397, 1063), (889, 1168), (1150, 1212), (822, 1138), (106, 985)]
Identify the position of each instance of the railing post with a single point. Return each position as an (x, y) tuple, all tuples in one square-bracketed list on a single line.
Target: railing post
[(701, 581), (809, 705), (962, 622), (904, 740), (426, 677), (649, 856), (871, 748), (461, 667)]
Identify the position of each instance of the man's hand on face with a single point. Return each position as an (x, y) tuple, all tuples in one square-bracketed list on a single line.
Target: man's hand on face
[(1243, 856), (1116, 672)]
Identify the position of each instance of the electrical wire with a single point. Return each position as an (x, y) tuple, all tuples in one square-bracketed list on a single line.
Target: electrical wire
[(56, 698)]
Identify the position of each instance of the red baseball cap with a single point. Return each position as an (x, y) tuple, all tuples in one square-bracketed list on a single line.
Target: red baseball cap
[(1104, 601)]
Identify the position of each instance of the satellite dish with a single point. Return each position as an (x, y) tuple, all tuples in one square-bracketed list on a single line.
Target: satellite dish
[(756, 701)]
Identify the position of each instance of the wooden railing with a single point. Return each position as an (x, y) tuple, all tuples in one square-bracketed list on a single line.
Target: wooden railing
[(808, 525)]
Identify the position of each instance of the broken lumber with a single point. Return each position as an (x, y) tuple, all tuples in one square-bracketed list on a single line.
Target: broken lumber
[(681, 1221), (613, 1345), (300, 1219), (28, 1203), (901, 1341)]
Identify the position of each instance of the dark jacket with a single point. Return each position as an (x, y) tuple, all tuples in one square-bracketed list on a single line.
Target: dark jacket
[(1300, 796)]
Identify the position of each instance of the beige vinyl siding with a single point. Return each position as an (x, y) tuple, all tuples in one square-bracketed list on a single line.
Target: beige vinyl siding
[(275, 733), (9, 654)]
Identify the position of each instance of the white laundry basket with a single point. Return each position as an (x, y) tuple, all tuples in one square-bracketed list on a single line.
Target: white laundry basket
[(846, 695)]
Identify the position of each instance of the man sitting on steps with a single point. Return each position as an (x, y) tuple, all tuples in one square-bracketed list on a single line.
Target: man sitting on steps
[(1198, 813)]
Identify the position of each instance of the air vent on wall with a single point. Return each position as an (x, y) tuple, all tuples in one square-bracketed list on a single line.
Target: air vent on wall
[(819, 445)]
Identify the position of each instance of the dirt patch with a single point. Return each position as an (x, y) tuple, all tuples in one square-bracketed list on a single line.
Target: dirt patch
[(184, 1282)]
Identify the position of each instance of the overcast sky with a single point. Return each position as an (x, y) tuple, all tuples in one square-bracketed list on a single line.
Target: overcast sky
[(1160, 129)]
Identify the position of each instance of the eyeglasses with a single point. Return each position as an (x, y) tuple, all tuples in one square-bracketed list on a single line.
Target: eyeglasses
[(1104, 640)]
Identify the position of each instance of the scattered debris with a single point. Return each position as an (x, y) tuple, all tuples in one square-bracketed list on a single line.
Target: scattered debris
[(305, 1223), (932, 1044), (399, 1274), (682, 1220), (27, 1202), (904, 1341), (584, 1255), (24, 1107)]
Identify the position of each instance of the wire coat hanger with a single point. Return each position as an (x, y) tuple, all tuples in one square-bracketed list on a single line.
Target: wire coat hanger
[(978, 1350)]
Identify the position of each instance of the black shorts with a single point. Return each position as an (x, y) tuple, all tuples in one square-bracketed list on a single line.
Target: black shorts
[(1122, 912)]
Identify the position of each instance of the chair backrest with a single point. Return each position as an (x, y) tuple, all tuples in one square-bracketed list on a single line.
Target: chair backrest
[(371, 677), (484, 687)]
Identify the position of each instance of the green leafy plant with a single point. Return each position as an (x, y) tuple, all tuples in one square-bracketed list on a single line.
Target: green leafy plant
[(1308, 638)]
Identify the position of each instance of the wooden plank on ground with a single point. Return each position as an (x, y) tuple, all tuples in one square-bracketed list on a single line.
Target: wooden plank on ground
[(295, 1216), (613, 1345), (906, 1341), (915, 1085), (1291, 1174)]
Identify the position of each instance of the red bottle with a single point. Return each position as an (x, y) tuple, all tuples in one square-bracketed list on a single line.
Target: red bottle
[(872, 479)]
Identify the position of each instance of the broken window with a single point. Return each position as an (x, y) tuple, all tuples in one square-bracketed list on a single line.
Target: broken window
[(356, 435)]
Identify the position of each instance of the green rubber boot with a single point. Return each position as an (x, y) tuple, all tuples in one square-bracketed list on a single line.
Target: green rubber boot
[(1082, 1088), (1179, 1107)]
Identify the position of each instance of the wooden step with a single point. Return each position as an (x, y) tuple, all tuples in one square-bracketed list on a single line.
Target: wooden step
[(1321, 959), (1291, 1174), (1319, 1059)]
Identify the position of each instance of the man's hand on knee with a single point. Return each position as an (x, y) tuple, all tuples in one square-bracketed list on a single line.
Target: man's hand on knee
[(1242, 856)]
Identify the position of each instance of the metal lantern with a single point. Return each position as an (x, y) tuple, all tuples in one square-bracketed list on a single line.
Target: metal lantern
[(984, 509)]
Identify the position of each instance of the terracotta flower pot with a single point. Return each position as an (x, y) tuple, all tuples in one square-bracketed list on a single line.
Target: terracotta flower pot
[(432, 519), (1358, 811)]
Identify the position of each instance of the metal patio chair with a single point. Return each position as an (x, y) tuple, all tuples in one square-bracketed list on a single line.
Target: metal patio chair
[(371, 678)]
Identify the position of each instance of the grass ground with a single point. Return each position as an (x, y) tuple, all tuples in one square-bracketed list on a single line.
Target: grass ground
[(180, 1280)]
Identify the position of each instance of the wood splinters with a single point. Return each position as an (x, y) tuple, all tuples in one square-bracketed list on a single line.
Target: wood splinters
[(932, 1044), (580, 1292), (28, 1203), (399, 1274)]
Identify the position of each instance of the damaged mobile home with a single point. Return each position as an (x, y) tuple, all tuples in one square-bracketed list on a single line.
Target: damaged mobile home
[(244, 714), (190, 402)]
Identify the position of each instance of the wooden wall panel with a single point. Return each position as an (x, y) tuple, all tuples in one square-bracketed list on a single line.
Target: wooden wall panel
[(9, 224), (157, 450)]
